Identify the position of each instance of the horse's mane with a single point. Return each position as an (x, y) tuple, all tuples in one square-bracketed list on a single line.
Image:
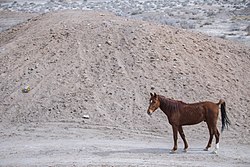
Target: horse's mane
[(170, 104)]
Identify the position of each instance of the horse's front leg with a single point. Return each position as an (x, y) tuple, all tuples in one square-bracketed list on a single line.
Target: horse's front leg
[(175, 136), (181, 132)]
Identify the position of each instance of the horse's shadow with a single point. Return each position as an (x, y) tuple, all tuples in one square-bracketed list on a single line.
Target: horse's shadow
[(155, 151)]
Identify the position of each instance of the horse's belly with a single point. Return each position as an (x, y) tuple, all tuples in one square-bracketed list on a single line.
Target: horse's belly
[(192, 119), (192, 123)]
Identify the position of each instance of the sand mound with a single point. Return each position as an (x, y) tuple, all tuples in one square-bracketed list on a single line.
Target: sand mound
[(84, 62)]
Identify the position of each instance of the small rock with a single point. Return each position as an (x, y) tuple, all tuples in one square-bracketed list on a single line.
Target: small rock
[(109, 42), (26, 89), (85, 117)]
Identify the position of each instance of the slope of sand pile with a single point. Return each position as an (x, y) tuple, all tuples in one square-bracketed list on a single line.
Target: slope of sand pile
[(80, 63)]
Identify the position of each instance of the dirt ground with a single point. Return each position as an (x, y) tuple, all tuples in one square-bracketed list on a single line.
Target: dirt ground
[(75, 144), (104, 66)]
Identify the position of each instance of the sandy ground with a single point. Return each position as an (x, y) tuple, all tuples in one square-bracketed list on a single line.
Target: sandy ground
[(104, 66), (75, 144)]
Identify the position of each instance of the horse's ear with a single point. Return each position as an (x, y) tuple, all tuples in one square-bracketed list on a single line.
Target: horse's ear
[(151, 94), (155, 95)]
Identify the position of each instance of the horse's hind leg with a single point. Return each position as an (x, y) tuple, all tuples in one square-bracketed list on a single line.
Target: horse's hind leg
[(181, 132), (217, 136), (210, 138)]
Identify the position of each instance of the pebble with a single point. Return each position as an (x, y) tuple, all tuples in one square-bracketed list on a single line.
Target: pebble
[(109, 42), (85, 116), (26, 89)]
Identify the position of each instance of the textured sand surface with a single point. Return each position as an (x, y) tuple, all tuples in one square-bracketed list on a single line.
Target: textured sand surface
[(104, 66)]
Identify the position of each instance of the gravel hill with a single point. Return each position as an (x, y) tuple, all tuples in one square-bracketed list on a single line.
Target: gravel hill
[(80, 63)]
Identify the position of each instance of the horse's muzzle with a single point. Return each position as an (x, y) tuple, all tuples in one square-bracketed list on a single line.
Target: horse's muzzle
[(149, 113)]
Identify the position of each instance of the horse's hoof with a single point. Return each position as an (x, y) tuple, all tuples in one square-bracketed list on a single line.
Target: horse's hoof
[(173, 151), (205, 149), (184, 150), (215, 152)]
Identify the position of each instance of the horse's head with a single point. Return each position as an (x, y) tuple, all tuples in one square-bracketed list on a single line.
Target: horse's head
[(154, 103)]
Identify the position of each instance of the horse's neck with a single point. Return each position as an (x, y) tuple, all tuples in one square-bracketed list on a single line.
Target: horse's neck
[(169, 107), (165, 106)]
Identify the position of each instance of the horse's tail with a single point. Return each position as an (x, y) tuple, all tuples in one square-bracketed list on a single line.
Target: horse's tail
[(224, 119)]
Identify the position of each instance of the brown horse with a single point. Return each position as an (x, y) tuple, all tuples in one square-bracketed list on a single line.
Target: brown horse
[(180, 114)]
